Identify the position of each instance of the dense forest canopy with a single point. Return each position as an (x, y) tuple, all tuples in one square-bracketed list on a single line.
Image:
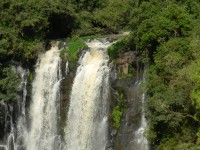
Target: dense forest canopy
[(168, 31)]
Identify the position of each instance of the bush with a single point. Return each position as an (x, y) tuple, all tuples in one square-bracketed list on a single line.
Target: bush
[(124, 45), (115, 49), (8, 85), (116, 117), (74, 45)]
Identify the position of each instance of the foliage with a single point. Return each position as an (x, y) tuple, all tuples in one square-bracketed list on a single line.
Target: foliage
[(88, 37), (118, 111), (30, 76), (8, 85), (74, 45), (115, 49), (168, 31), (25, 25), (124, 45), (116, 116), (115, 15)]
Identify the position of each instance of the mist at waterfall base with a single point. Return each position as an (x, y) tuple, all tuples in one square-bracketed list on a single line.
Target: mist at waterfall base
[(87, 123)]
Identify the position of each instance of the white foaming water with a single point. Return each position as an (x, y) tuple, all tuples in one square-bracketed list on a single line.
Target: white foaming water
[(45, 97), (87, 121), (15, 137), (96, 44), (67, 68), (22, 123), (140, 137)]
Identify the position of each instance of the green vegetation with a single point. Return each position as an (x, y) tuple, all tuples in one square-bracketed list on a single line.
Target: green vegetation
[(116, 116), (8, 85), (74, 45), (168, 31), (115, 49), (124, 76), (116, 15), (30, 76), (88, 37), (24, 26), (118, 111), (124, 45)]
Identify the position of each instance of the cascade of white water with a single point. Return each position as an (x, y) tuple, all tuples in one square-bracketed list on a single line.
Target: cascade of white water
[(67, 68), (8, 124), (21, 122), (43, 134), (16, 136), (142, 142), (87, 118)]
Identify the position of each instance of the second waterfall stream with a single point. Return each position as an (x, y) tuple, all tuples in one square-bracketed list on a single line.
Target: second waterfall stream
[(45, 98), (87, 120)]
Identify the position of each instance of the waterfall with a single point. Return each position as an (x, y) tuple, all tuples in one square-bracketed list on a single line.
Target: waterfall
[(9, 143), (22, 120), (87, 119), (88, 113), (142, 141), (139, 141), (43, 134), (131, 135), (16, 136), (139, 134)]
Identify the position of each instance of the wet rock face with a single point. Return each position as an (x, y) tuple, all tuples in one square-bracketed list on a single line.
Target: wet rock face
[(127, 57), (2, 122), (125, 60), (65, 88), (126, 64), (130, 121)]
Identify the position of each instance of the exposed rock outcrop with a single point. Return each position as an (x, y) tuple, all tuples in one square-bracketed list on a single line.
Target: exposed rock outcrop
[(125, 61), (126, 74)]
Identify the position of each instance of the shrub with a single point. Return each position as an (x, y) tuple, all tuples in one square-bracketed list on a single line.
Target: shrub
[(116, 117), (74, 45)]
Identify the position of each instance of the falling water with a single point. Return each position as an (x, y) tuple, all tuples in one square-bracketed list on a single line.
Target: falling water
[(140, 133), (22, 121), (142, 141), (16, 136), (43, 134), (131, 135), (88, 112), (8, 126)]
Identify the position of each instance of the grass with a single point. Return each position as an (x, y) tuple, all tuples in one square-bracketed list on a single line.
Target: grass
[(74, 45), (88, 37)]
